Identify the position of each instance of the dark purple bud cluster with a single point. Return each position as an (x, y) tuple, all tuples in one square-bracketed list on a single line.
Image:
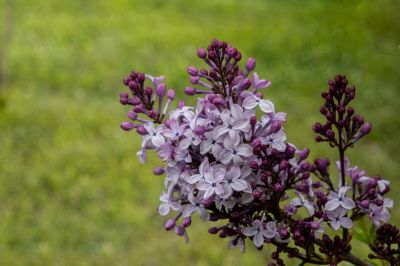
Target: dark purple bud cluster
[(146, 100), (334, 248), (223, 76), (386, 246), (340, 117)]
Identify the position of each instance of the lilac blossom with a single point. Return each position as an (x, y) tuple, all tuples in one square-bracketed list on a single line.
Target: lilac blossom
[(251, 101), (302, 201), (258, 232), (339, 199), (338, 219)]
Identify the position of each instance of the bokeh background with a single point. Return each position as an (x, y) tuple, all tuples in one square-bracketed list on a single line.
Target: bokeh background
[(72, 191)]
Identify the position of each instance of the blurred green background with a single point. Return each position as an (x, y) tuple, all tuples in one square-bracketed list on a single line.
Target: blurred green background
[(72, 191)]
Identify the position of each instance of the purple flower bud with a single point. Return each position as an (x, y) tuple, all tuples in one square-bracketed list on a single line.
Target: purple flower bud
[(124, 101), (199, 130), (283, 233), (127, 126), (253, 120), (181, 103), (317, 127), (275, 126), (190, 91), (213, 230), (207, 202), (148, 91), (169, 225), (201, 53), (136, 101), (366, 128), (141, 77), (132, 115), (246, 83), (257, 194), (123, 95), (141, 130), (153, 114), (139, 109), (364, 203), (232, 52), (133, 86), (194, 80), (158, 170), (278, 187), (250, 64), (219, 102), (192, 71), (330, 134), (187, 221), (304, 154), (179, 230), (161, 89), (171, 94), (290, 151), (253, 165)]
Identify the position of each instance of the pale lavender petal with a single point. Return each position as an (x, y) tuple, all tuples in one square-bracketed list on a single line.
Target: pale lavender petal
[(267, 106), (348, 203), (250, 102), (249, 231), (258, 239), (346, 222), (332, 204), (239, 185), (163, 209)]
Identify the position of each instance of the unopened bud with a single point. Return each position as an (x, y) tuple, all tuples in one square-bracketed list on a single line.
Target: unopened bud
[(192, 71), (250, 64), (201, 53), (158, 170), (190, 91), (194, 80), (161, 89), (169, 225), (141, 130), (199, 130), (171, 94), (245, 84), (132, 115), (127, 126), (366, 128), (187, 221)]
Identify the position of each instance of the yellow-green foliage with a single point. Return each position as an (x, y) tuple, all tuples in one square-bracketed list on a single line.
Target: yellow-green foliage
[(72, 191)]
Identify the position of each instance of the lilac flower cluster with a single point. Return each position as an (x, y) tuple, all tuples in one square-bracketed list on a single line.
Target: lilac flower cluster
[(223, 161)]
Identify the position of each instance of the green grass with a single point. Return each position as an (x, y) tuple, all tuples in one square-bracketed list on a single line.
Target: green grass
[(72, 191)]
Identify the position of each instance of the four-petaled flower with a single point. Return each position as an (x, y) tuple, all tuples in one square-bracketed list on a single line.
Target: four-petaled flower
[(251, 101), (338, 219), (302, 201), (258, 232), (339, 199)]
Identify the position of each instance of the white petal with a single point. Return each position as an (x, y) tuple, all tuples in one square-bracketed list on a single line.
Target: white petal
[(249, 231), (249, 102), (267, 106), (163, 209), (244, 150), (332, 204), (239, 185), (348, 204), (258, 239), (346, 222)]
